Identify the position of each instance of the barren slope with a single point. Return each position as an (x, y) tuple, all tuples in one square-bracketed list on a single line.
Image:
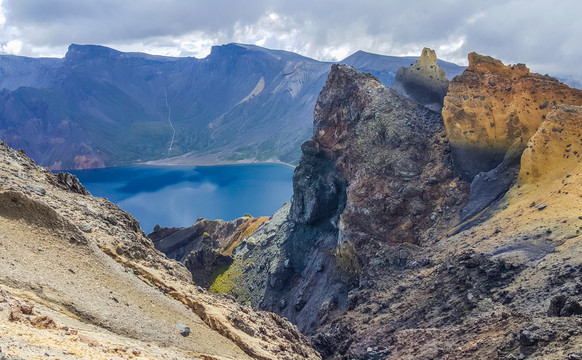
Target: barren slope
[(86, 264)]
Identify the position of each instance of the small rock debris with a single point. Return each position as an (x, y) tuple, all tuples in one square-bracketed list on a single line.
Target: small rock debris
[(183, 329)]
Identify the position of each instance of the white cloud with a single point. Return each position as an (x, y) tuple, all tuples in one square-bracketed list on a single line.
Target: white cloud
[(451, 49), (537, 32), (475, 17), (13, 47), (195, 44)]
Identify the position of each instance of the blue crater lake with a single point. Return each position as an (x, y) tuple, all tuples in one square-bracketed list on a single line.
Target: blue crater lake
[(178, 195)]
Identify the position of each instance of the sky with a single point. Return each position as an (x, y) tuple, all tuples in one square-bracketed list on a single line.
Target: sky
[(546, 35)]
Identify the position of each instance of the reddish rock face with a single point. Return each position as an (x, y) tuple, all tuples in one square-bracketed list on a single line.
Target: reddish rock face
[(88, 162), (492, 105), (390, 154)]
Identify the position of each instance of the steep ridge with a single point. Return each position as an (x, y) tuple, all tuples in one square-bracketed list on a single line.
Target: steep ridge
[(101, 107), (492, 105), (375, 173), (80, 280), (362, 192), (374, 259)]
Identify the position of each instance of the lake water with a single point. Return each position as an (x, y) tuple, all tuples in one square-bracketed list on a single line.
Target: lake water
[(178, 195)]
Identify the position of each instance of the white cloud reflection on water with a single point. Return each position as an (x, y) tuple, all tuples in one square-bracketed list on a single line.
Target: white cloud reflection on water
[(177, 196), (176, 205)]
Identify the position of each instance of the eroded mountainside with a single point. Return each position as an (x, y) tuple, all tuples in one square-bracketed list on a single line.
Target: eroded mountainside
[(400, 245), (79, 280), (100, 107)]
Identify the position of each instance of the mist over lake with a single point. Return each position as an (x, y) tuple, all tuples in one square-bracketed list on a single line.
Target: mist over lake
[(178, 195)]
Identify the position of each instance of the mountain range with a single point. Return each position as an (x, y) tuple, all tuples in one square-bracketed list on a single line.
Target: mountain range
[(99, 107)]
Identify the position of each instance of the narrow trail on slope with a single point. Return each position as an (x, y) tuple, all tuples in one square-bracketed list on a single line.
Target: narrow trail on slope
[(170, 120)]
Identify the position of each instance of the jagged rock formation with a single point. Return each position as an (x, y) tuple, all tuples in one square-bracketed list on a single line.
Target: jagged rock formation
[(545, 159), (374, 140), (206, 247), (492, 105), (79, 279), (490, 290), (365, 157), (362, 259), (375, 173), (424, 81)]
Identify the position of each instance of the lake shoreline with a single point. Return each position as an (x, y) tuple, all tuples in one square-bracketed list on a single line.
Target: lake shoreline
[(209, 160), (162, 163), (208, 164)]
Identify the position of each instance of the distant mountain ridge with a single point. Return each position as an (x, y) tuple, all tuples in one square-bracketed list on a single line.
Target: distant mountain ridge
[(101, 107)]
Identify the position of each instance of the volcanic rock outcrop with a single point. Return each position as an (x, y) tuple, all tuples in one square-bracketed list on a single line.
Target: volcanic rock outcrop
[(485, 292), (79, 279), (206, 247), (492, 105), (369, 259), (395, 167), (424, 81), (375, 173)]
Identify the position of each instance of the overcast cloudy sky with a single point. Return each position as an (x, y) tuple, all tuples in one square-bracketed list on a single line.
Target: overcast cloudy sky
[(546, 35)]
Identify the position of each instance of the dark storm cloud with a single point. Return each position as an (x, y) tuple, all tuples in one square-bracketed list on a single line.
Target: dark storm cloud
[(540, 33)]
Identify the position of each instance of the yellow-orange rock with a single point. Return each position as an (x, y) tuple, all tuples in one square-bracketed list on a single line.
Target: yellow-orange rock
[(491, 105), (424, 81), (547, 197), (554, 151)]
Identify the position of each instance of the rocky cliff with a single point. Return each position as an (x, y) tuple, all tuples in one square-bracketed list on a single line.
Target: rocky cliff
[(424, 81), (375, 181), (79, 279), (491, 105), (400, 245)]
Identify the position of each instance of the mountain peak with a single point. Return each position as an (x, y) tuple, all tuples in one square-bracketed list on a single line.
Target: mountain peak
[(235, 49), (482, 64), (76, 50), (92, 52), (424, 81), (239, 48)]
